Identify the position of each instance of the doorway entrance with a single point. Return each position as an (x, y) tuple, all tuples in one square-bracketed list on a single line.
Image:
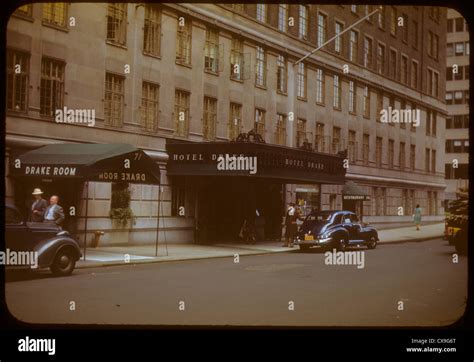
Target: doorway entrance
[(225, 202)]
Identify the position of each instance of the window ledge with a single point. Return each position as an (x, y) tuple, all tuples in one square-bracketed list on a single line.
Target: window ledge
[(56, 27), (187, 65), (304, 99), (263, 87), (115, 44), (156, 56), (237, 80), (24, 17), (207, 71), (282, 93)]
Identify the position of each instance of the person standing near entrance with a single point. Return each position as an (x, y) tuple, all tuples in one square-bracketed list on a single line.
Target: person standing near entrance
[(292, 215), (54, 212), (417, 217), (38, 207)]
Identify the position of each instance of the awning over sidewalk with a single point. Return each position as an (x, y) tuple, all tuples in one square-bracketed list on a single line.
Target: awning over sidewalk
[(352, 191), (287, 164), (91, 162)]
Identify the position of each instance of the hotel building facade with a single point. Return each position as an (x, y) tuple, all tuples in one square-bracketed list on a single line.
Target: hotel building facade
[(166, 77)]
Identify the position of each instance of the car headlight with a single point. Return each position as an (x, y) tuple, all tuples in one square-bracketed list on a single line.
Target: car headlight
[(63, 233), (324, 236)]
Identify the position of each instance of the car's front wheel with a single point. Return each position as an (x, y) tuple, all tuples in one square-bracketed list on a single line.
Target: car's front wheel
[(64, 263), (372, 244)]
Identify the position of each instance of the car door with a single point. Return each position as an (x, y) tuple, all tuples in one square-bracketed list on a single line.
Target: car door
[(356, 228), (17, 234), (347, 224)]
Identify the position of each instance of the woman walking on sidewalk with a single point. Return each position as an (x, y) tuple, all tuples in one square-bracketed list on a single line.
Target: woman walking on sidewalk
[(417, 217)]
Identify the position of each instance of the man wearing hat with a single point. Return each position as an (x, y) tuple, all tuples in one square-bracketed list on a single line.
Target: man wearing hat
[(38, 207), (292, 215)]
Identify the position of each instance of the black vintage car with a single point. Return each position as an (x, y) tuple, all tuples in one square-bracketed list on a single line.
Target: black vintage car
[(55, 248), (335, 229)]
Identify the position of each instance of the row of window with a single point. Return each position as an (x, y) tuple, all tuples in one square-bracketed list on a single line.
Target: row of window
[(52, 88), (400, 69), (457, 146), (54, 14), (457, 73), (408, 201), (457, 122), (457, 25), (457, 97), (303, 25), (457, 49)]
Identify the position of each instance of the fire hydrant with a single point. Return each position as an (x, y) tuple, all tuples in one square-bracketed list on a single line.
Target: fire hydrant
[(97, 235)]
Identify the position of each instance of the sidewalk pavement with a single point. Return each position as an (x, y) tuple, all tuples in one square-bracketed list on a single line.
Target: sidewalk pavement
[(133, 254)]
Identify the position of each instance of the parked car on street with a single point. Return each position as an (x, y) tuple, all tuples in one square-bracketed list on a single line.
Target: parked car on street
[(54, 247), (335, 229), (457, 221)]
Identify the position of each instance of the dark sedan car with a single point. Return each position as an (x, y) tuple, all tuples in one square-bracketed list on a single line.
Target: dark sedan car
[(335, 229), (54, 248)]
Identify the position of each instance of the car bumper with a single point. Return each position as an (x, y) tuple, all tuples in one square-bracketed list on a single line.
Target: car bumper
[(316, 242)]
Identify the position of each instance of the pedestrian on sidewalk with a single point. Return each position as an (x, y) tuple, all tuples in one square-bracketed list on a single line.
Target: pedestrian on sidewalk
[(417, 217), (292, 215), (38, 207), (54, 213)]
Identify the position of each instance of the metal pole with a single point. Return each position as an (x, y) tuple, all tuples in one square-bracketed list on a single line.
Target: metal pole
[(158, 220), (337, 35), (85, 221)]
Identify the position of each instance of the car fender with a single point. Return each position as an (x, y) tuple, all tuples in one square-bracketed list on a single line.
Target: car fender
[(370, 231), (338, 232), (48, 249)]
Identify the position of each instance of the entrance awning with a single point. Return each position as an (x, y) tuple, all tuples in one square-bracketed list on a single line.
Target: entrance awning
[(352, 191), (282, 163), (90, 162)]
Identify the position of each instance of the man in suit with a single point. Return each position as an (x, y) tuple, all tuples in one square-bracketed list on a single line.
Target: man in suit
[(54, 212), (38, 207), (292, 215)]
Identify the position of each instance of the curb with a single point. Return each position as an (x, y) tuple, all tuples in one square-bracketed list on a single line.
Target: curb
[(417, 240), (99, 265)]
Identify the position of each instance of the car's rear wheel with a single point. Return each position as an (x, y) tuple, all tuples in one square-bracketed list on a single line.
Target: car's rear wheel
[(64, 262), (304, 247), (372, 244)]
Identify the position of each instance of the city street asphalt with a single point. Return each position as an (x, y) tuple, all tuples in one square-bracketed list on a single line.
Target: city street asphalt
[(419, 278)]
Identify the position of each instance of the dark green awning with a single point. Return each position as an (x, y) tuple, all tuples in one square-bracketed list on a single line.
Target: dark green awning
[(352, 191), (93, 162)]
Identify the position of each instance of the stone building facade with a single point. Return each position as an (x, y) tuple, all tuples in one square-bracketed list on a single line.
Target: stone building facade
[(457, 100), (207, 72)]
